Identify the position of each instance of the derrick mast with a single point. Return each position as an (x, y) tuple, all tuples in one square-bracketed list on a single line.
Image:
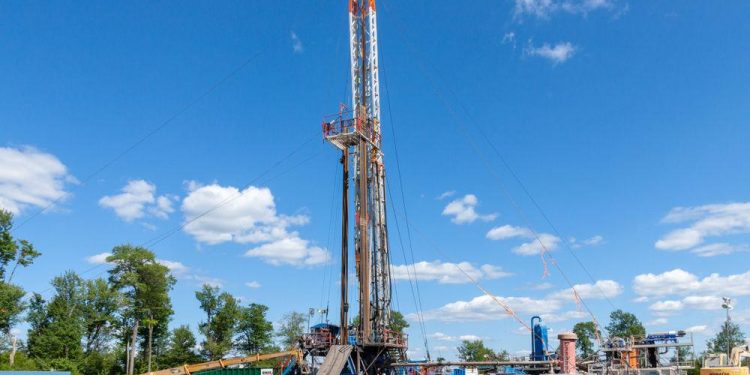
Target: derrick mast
[(356, 131)]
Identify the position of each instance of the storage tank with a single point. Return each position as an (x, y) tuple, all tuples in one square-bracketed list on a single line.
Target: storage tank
[(538, 339)]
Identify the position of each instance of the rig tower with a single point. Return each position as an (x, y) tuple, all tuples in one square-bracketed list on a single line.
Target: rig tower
[(356, 131)]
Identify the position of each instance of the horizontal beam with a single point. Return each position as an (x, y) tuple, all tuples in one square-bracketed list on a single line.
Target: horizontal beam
[(189, 369), (473, 364)]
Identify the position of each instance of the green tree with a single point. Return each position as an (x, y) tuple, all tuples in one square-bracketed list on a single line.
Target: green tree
[(222, 312), (292, 327), (587, 333), (99, 308), (624, 324), (57, 327), (727, 338), (472, 351), (398, 323), (181, 348), (145, 286), (254, 330), (13, 253)]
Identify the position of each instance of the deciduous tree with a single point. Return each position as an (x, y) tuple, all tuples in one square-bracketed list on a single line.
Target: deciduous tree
[(291, 329), (254, 331), (145, 286), (624, 324), (587, 332), (221, 321), (727, 338), (472, 351)]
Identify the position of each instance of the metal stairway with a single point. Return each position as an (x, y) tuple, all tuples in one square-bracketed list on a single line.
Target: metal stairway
[(336, 360)]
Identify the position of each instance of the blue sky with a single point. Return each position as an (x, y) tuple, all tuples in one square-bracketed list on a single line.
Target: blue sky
[(627, 122)]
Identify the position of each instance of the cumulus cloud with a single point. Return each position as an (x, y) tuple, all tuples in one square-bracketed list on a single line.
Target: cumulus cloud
[(446, 272), (504, 232), (537, 244), (705, 222), (215, 214), (697, 329), (543, 242), (138, 197), (100, 258), (253, 284), (557, 53), (544, 9), (178, 269), (30, 177), (668, 307), (292, 251), (657, 322), (550, 308), (681, 282), (463, 210), (485, 308), (599, 290)]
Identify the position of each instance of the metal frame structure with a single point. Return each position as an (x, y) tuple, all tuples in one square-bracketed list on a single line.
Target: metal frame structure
[(357, 133)]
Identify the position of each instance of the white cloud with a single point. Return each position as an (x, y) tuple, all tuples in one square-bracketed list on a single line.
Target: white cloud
[(30, 177), (464, 211), (546, 8), (292, 251), (704, 222), (668, 307), (297, 46), (441, 336), (253, 284), (508, 231), (485, 308), (137, 198), (446, 272), (542, 286), (469, 338), (681, 282), (537, 243), (599, 290), (557, 54), (543, 242), (697, 329), (100, 258), (564, 316), (446, 194), (594, 241), (509, 38), (207, 280), (658, 322), (216, 214), (177, 268)]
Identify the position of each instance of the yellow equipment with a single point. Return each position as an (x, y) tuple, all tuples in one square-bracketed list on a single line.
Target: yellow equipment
[(189, 369), (717, 364)]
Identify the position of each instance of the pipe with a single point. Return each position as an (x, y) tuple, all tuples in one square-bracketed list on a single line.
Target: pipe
[(470, 364)]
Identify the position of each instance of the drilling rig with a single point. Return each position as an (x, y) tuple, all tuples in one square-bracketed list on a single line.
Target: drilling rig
[(356, 132)]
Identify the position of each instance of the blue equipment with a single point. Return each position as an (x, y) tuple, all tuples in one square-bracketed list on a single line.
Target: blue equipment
[(539, 343)]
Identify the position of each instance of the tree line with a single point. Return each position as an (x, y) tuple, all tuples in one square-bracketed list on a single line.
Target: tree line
[(119, 324)]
